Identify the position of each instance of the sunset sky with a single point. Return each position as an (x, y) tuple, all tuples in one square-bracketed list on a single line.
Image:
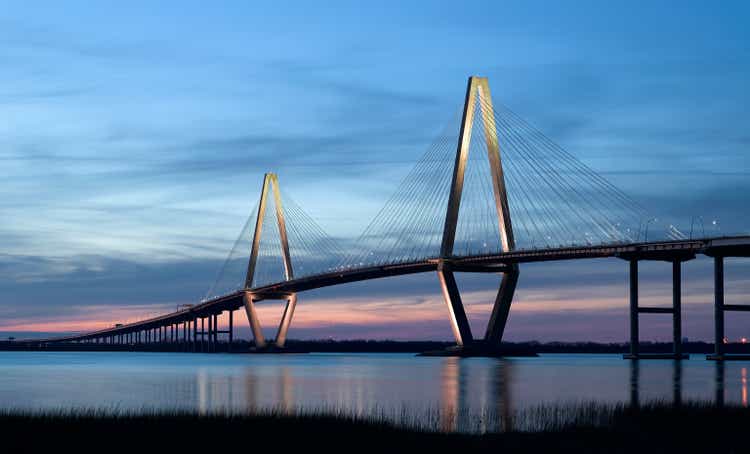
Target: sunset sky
[(134, 137)]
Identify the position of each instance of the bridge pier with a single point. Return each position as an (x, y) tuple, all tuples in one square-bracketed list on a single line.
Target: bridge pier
[(635, 309), (211, 333), (634, 335), (720, 308), (203, 334), (207, 334), (249, 300), (194, 341), (231, 330), (466, 345), (216, 332)]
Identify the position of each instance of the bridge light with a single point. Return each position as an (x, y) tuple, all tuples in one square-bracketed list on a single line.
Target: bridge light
[(743, 340)]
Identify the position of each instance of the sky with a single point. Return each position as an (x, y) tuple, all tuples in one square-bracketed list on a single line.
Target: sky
[(134, 137)]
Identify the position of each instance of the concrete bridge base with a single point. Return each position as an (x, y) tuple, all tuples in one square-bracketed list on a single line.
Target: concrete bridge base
[(482, 349), (275, 349), (656, 356), (732, 357)]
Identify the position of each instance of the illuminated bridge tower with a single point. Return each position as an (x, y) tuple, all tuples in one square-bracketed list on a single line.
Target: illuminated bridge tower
[(477, 94), (270, 183)]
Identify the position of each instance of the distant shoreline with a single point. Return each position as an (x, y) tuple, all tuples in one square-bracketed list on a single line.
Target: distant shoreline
[(387, 346)]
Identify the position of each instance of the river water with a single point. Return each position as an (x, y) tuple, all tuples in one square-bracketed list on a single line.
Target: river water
[(395, 386)]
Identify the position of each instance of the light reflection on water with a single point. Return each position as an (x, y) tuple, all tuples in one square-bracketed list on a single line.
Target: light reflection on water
[(359, 384)]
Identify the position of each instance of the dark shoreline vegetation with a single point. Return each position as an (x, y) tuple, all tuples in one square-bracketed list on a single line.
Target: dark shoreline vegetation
[(389, 346), (580, 428)]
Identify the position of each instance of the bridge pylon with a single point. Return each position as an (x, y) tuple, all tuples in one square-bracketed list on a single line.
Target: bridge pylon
[(270, 184), (478, 101)]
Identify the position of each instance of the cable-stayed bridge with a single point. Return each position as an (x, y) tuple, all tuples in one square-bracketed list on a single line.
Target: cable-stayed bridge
[(490, 193)]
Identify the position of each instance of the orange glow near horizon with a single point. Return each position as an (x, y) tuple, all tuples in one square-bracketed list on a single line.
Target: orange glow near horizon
[(324, 312)]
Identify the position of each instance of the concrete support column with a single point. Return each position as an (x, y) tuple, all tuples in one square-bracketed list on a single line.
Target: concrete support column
[(677, 307), (231, 330), (634, 308), (203, 334), (195, 334), (211, 346), (286, 320), (252, 317), (718, 306), (216, 332), (501, 309), (459, 322)]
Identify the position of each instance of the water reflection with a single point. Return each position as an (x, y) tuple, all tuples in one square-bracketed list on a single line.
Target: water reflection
[(457, 393), (450, 398), (463, 405), (635, 385), (635, 382), (287, 390), (503, 376), (719, 382)]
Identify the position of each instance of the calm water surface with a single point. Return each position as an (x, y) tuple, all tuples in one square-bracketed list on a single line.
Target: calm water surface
[(359, 384)]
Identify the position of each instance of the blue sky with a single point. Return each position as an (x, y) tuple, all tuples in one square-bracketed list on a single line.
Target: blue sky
[(134, 137)]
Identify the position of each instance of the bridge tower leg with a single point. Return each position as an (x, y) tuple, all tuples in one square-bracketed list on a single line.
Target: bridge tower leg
[(286, 320), (501, 308), (459, 322), (252, 318), (478, 93)]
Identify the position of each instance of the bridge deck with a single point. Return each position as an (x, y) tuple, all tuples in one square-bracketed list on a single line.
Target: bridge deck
[(737, 246)]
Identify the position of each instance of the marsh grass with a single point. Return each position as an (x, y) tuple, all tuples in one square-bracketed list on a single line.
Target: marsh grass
[(562, 427), (550, 417)]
